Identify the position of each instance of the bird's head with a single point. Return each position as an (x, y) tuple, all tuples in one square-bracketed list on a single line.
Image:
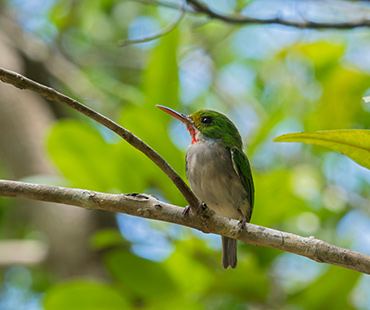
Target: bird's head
[(208, 125)]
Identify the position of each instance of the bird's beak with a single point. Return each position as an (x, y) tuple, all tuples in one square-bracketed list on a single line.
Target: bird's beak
[(187, 120), (180, 116)]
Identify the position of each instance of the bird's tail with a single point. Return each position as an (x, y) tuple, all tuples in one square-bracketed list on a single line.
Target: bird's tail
[(229, 253)]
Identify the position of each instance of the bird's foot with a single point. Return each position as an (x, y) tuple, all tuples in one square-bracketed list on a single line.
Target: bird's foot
[(203, 207), (242, 222), (186, 210)]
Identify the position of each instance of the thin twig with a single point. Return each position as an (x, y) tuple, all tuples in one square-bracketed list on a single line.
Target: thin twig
[(49, 93), (165, 4), (202, 8), (163, 32), (147, 206)]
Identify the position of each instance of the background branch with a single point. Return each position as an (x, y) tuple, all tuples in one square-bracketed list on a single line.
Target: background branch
[(49, 93), (202, 8), (147, 206), (163, 32)]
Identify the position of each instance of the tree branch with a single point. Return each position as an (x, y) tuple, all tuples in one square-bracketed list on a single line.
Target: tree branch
[(147, 206), (163, 32), (49, 93), (202, 8)]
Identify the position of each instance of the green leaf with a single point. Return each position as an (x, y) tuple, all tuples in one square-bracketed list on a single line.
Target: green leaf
[(195, 257), (82, 155), (354, 143), (84, 295), (330, 291), (143, 277), (324, 55), (105, 238), (161, 79)]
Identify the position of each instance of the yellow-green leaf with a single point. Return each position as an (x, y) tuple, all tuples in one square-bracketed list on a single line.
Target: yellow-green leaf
[(354, 143)]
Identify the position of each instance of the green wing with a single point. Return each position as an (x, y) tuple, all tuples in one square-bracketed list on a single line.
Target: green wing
[(243, 170)]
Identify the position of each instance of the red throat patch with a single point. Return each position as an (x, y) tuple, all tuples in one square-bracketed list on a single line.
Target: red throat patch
[(192, 133)]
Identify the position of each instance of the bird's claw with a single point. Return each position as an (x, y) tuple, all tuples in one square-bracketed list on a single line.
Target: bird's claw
[(186, 210), (203, 206), (242, 222)]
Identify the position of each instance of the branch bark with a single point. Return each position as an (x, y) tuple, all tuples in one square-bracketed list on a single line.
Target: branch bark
[(147, 206), (49, 93), (304, 24)]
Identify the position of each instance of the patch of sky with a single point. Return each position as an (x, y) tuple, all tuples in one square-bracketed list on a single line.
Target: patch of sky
[(33, 17), (304, 11), (260, 42), (147, 242), (179, 135), (154, 244), (355, 227), (267, 152), (330, 11), (143, 27), (212, 241), (344, 172), (360, 297), (236, 79), (335, 198), (305, 183), (302, 68), (214, 101), (195, 75), (108, 135), (16, 292), (295, 272), (366, 106), (224, 6), (264, 9), (358, 47), (245, 118), (169, 15)]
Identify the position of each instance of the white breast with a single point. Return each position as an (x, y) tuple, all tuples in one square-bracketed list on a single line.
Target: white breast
[(214, 181)]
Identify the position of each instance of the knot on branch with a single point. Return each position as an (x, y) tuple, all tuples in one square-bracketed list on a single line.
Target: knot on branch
[(92, 196), (145, 212), (137, 196)]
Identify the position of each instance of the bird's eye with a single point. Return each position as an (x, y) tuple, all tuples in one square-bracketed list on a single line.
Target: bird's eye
[(206, 120)]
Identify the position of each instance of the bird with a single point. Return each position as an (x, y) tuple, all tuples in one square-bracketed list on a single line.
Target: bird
[(218, 171)]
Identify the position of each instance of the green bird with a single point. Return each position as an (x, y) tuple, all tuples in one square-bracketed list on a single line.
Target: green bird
[(218, 171)]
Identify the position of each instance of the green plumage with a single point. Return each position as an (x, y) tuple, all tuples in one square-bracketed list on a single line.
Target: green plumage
[(221, 128), (243, 169)]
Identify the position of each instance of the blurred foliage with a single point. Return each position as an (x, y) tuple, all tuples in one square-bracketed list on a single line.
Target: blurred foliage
[(84, 295), (270, 80)]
